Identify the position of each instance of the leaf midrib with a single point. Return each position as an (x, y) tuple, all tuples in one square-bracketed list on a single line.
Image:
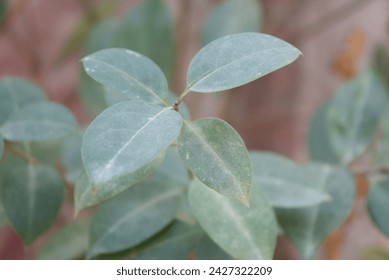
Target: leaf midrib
[(239, 224), (112, 160), (218, 158)]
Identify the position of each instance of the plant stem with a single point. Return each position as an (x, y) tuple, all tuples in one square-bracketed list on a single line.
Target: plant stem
[(180, 98)]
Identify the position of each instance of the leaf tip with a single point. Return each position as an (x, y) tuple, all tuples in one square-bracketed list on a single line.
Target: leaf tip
[(245, 200)]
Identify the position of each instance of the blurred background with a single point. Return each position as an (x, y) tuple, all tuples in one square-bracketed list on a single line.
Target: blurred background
[(44, 40)]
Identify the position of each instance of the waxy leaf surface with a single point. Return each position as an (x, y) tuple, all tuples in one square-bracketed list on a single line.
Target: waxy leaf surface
[(244, 233), (237, 59), (125, 137), (216, 154)]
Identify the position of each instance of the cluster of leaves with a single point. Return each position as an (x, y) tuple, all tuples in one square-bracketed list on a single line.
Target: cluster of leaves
[(31, 189), (168, 186), (351, 129)]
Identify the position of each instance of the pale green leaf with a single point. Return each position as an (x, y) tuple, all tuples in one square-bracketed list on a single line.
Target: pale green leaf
[(32, 196), (132, 217), (217, 156), (68, 242), (209, 250), (39, 121), (354, 114), (319, 144), (238, 59), (231, 16), (87, 194), (137, 133), (378, 205), (244, 233), (174, 243), (307, 227), (16, 93), (285, 184), (128, 73), (71, 157)]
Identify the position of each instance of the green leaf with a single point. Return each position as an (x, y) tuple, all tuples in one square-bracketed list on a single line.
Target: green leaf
[(307, 227), (238, 59), (1, 146), (244, 233), (174, 243), (87, 194), (378, 205), (354, 114), (32, 197), (319, 144), (68, 242), (16, 93), (231, 16), (137, 133), (132, 217), (209, 250), (71, 157), (217, 156), (128, 73), (285, 184), (39, 121)]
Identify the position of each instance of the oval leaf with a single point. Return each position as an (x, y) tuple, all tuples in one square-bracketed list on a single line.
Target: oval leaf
[(137, 133), (134, 216), (244, 233), (378, 205), (39, 121), (238, 59), (285, 184), (87, 194), (217, 156), (128, 73), (307, 227), (232, 16), (68, 242), (15, 93), (354, 114), (32, 197)]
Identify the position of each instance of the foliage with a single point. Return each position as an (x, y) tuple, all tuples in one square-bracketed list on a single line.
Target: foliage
[(167, 186)]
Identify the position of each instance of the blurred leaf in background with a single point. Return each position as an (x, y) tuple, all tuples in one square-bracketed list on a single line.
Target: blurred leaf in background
[(148, 25)]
